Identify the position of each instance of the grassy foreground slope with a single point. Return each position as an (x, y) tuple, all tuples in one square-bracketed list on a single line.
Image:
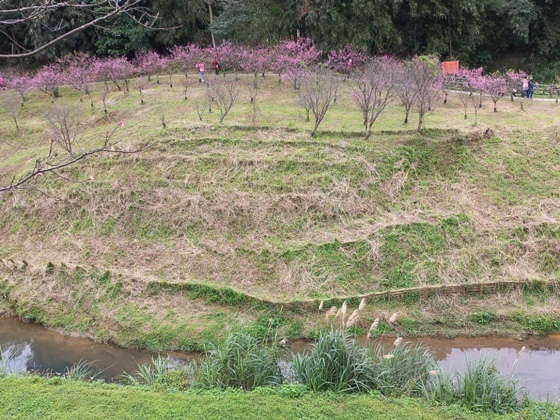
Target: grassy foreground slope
[(34, 397), (257, 206)]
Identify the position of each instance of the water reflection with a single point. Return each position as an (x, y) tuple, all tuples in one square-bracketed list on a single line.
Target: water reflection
[(41, 350)]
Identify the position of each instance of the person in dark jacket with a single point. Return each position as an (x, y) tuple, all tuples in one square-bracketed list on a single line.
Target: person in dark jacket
[(530, 89)]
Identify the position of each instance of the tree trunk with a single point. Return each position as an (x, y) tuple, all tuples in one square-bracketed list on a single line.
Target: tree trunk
[(211, 33)]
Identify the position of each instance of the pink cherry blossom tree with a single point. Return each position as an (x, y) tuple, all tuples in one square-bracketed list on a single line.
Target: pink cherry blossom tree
[(472, 81), (495, 86), (149, 64), (293, 54), (346, 56), (116, 70), (187, 56), (19, 83), (229, 55), (48, 79), (78, 71)]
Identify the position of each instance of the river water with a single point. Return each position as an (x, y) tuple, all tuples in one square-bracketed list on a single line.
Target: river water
[(535, 361)]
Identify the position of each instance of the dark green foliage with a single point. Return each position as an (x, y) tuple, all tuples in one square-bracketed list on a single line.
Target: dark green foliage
[(483, 318)]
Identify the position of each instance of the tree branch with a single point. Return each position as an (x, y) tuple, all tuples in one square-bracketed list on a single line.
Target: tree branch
[(113, 8), (45, 167)]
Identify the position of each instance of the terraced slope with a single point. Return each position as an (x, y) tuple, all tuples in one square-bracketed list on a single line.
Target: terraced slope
[(268, 211)]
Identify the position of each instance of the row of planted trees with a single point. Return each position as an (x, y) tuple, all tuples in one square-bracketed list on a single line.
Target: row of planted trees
[(419, 84)]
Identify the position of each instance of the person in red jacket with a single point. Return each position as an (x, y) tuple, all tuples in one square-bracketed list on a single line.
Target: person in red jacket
[(217, 65)]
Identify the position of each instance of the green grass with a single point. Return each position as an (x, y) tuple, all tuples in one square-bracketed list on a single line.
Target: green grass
[(33, 397)]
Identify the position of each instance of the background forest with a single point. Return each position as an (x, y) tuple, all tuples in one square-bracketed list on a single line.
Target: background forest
[(498, 34)]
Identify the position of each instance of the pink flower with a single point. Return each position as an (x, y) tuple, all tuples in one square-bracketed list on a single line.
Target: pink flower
[(121, 123)]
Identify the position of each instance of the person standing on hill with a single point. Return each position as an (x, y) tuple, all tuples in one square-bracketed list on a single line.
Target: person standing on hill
[(200, 68), (217, 65), (525, 87), (531, 89)]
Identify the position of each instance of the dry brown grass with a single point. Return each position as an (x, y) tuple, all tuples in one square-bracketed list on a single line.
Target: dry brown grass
[(222, 205)]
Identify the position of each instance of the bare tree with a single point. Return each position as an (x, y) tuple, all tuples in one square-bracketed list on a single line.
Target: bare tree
[(405, 87), (140, 84), (465, 99), (373, 90), (224, 92), (62, 122), (318, 90), (201, 106), (13, 103), (88, 89), (100, 11), (104, 93), (427, 86), (253, 89)]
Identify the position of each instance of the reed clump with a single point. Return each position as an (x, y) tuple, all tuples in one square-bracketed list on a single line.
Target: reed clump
[(340, 364), (479, 388), (243, 360)]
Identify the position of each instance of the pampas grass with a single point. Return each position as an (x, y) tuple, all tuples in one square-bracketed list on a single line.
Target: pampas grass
[(393, 318), (362, 304), (353, 318), (373, 327), (331, 312), (343, 310)]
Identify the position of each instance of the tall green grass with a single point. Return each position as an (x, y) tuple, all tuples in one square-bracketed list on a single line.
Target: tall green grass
[(340, 364), (243, 360), (336, 363), (81, 371), (152, 373), (479, 388), (404, 370)]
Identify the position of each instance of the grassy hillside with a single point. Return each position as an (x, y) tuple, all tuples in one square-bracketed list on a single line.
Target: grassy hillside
[(255, 206)]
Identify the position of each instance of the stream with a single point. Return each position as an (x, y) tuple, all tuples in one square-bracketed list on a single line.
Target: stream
[(535, 361)]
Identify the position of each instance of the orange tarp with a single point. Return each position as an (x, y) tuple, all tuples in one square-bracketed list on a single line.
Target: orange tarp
[(450, 67)]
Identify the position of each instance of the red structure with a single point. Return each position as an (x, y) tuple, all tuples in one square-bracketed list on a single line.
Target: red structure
[(450, 67)]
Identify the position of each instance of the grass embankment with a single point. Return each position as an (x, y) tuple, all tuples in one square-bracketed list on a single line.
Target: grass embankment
[(34, 397), (264, 210)]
